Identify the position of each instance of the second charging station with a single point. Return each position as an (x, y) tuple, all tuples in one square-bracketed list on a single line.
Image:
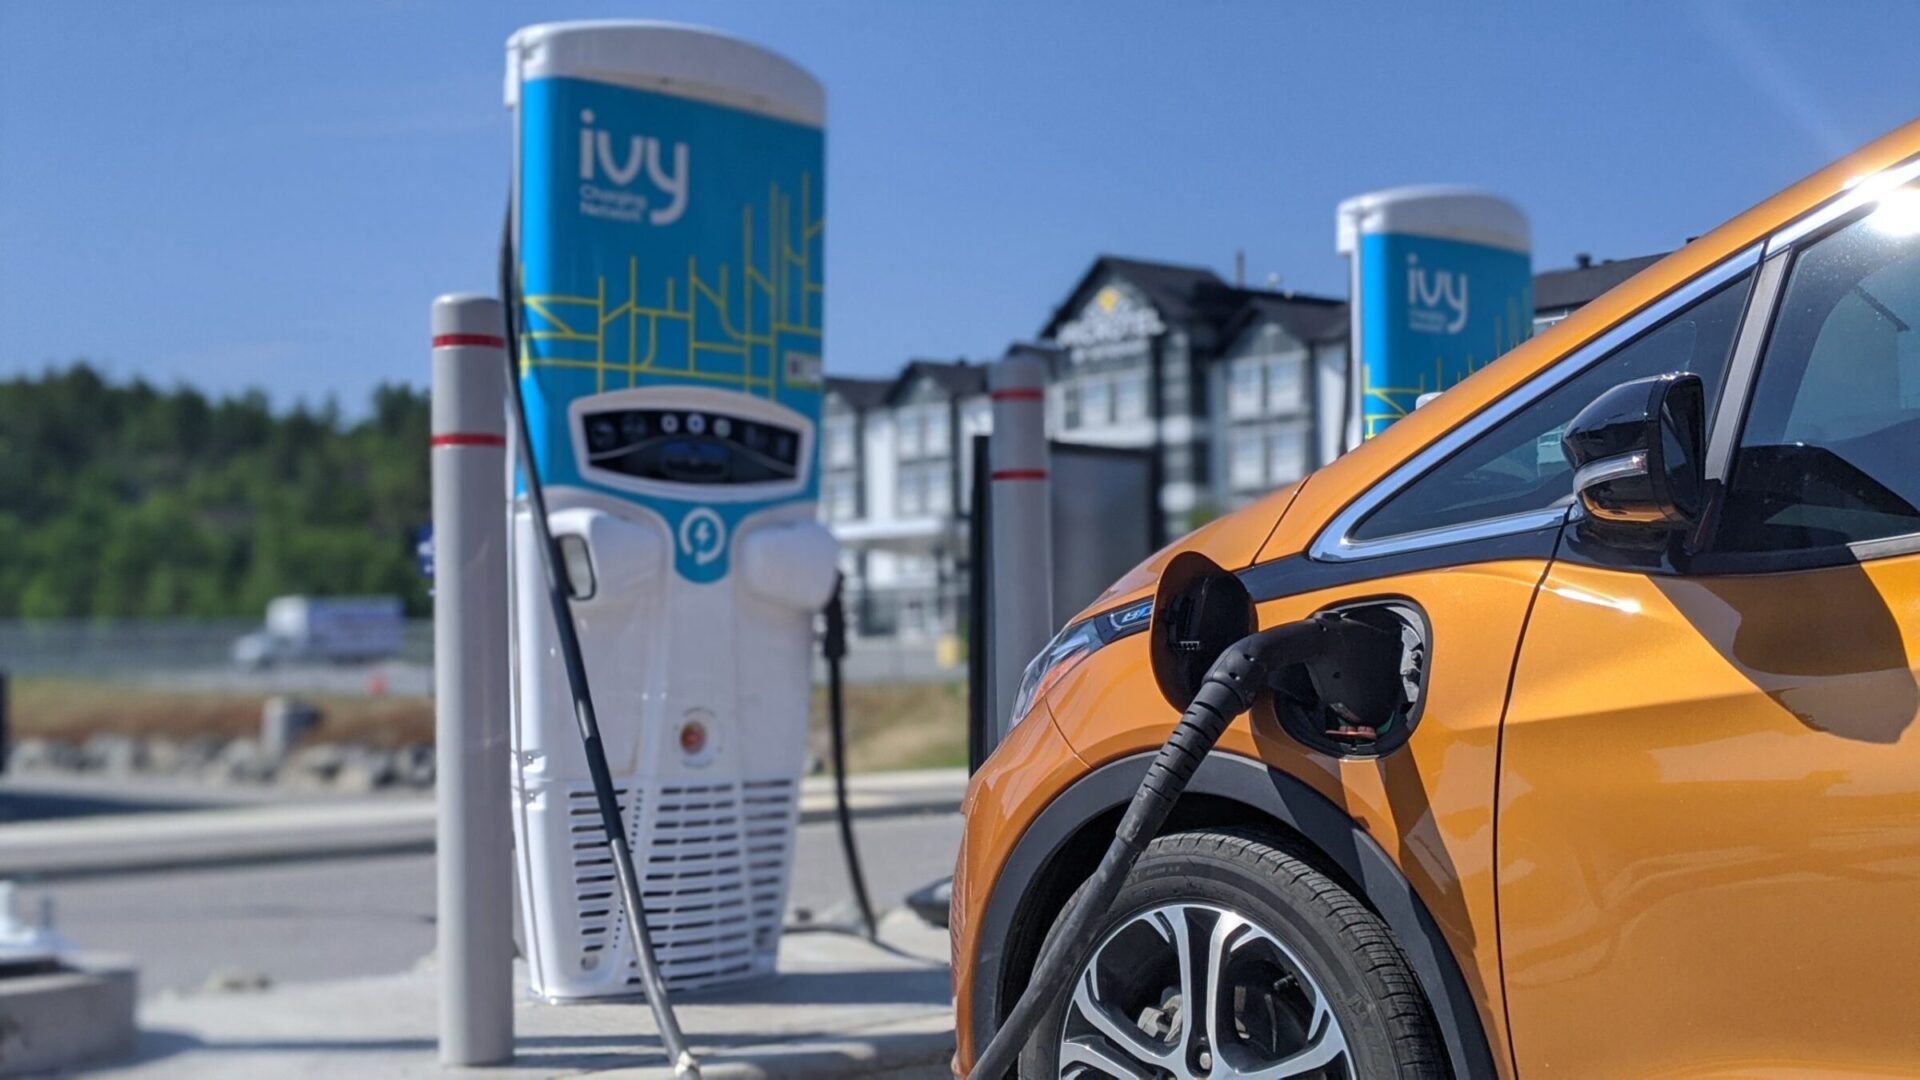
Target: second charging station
[(668, 231)]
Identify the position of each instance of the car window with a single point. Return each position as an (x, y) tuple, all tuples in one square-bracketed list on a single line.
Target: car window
[(1519, 465), (1828, 455)]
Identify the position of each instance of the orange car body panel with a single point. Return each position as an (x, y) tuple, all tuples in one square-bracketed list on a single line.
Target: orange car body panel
[(1032, 766), (1432, 804), (1724, 767)]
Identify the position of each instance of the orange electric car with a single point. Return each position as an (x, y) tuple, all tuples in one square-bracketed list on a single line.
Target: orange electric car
[(1642, 798)]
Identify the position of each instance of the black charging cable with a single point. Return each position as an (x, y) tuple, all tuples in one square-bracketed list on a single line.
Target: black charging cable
[(561, 601), (1230, 687), (834, 646)]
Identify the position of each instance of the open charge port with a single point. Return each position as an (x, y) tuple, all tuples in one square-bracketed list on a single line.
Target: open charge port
[(1366, 704)]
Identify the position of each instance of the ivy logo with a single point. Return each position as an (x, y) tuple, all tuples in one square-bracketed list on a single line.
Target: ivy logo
[(607, 176), (1436, 299)]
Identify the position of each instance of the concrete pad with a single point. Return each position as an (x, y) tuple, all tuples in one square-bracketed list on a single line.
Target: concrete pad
[(79, 1015), (840, 1006)]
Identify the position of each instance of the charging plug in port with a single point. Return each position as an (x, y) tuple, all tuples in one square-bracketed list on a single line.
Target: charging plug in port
[(1362, 698)]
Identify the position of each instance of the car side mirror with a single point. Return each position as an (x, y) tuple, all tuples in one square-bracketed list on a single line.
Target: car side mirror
[(1637, 453), (1198, 610)]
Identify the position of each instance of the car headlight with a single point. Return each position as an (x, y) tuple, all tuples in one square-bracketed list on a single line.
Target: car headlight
[(1070, 646)]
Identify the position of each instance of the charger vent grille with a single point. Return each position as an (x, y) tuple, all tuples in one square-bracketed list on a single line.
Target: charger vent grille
[(713, 862)]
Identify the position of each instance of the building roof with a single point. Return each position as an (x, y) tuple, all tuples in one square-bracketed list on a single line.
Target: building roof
[(1308, 319), (1173, 289), (860, 392), (1559, 291), (1191, 293), (957, 377)]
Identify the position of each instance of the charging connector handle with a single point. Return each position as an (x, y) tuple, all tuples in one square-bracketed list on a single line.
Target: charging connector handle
[(1229, 689)]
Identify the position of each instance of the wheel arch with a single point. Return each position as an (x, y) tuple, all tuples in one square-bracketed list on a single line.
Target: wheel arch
[(1059, 850)]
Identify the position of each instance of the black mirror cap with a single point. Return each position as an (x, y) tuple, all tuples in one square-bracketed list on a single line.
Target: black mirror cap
[(1637, 456), (1198, 610)]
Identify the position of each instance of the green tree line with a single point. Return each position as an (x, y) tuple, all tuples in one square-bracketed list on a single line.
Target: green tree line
[(123, 499)]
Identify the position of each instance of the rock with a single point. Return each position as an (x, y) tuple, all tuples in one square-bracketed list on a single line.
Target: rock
[(416, 765), (365, 769), (237, 981), (66, 756), (198, 754), (283, 723), (241, 762), (314, 766), (32, 756), (115, 755), (163, 756)]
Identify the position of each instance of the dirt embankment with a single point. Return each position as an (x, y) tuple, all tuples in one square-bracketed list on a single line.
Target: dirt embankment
[(892, 726)]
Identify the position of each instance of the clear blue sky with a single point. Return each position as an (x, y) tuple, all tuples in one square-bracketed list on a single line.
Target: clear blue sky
[(235, 194)]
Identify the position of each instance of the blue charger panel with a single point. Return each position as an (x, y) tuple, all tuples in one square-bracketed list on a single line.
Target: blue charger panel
[(670, 242)]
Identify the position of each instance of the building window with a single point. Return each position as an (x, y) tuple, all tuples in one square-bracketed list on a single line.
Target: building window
[(1246, 459), (1130, 397), (912, 432), (1243, 388), (934, 431), (913, 492), (1285, 387), (939, 489), (840, 496), (1096, 403), (1070, 405), (840, 435), (1286, 454)]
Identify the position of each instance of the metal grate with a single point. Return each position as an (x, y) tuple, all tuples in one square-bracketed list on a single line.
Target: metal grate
[(713, 865)]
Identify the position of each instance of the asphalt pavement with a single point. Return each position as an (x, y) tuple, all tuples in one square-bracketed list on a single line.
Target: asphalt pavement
[(353, 916)]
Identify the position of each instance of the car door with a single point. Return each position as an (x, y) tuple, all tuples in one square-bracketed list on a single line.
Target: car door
[(1466, 529), (1709, 804)]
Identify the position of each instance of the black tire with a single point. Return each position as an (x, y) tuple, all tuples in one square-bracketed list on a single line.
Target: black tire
[(1343, 945)]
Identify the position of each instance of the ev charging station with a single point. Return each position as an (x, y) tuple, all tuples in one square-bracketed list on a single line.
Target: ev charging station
[(666, 236), (1442, 284)]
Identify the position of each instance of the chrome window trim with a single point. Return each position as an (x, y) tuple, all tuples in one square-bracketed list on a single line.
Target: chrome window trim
[(1727, 415), (1882, 547), (1335, 542), (1869, 188)]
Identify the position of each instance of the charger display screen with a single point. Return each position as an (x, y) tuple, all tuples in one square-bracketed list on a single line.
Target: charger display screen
[(690, 446)]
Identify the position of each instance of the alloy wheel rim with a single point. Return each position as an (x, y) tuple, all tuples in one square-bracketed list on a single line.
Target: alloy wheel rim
[(1261, 1014)]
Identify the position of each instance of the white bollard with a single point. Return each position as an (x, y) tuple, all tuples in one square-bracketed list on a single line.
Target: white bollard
[(1021, 604), (474, 862)]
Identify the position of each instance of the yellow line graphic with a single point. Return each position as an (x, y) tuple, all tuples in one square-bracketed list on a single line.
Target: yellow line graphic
[(712, 314)]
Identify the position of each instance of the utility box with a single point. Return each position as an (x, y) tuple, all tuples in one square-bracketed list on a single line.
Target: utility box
[(668, 226)]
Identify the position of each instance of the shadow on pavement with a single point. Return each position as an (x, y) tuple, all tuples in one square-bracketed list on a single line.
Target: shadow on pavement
[(19, 806)]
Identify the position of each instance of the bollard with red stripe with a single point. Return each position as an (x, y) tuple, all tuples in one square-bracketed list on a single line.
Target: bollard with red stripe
[(471, 693), (1020, 605)]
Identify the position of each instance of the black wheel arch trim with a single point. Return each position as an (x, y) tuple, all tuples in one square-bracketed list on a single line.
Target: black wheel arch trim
[(1287, 800)]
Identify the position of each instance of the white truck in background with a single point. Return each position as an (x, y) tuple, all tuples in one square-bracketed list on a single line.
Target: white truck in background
[(334, 629)]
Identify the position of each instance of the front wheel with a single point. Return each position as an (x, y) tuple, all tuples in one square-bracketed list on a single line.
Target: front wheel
[(1227, 956)]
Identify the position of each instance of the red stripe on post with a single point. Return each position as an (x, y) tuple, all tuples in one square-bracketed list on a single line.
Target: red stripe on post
[(1022, 393), (469, 439), (1020, 474), (443, 341)]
